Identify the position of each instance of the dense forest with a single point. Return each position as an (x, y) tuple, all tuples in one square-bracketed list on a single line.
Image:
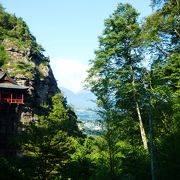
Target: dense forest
[(135, 77)]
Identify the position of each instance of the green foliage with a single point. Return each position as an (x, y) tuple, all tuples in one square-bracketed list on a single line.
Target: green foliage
[(46, 144), (8, 170), (15, 32), (47, 148), (122, 85), (52, 147), (110, 76), (115, 79), (83, 162), (16, 28), (65, 116), (3, 55), (162, 37)]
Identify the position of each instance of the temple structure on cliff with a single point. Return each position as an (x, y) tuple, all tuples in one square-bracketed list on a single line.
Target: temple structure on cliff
[(10, 91), (11, 96)]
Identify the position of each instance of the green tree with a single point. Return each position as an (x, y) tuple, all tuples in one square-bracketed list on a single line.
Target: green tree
[(115, 73), (46, 144), (115, 78), (162, 40)]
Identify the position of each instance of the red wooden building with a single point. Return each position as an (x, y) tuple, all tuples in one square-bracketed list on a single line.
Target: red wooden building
[(10, 91)]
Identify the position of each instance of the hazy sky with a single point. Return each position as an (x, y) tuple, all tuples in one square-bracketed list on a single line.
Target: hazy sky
[(68, 31)]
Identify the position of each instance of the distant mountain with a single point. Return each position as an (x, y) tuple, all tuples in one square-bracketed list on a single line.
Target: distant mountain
[(84, 106), (82, 100)]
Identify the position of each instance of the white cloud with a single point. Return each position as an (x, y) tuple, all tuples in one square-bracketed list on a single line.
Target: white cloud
[(69, 73)]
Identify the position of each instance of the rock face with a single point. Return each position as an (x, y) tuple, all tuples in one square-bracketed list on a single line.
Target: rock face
[(33, 71), (21, 56)]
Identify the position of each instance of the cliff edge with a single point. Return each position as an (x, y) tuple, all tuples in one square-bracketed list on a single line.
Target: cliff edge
[(22, 58)]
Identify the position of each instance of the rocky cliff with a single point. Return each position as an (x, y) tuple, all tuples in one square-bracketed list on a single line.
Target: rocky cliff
[(33, 71), (22, 57)]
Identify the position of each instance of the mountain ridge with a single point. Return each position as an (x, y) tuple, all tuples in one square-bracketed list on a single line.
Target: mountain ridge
[(84, 99)]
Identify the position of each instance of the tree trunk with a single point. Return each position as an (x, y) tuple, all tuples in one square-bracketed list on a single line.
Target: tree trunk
[(151, 139), (142, 130), (143, 134)]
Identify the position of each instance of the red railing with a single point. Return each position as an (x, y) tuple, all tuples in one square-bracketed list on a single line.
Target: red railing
[(11, 97), (11, 101)]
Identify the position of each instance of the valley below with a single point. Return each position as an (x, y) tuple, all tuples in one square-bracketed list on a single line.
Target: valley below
[(89, 121), (85, 108)]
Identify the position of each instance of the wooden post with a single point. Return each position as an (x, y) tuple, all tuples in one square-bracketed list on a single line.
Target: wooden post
[(11, 96), (22, 98)]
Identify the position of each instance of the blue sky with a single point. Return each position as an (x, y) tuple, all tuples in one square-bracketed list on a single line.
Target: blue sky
[(68, 31)]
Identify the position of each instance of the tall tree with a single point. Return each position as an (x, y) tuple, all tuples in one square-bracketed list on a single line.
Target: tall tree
[(115, 77), (162, 38), (115, 73)]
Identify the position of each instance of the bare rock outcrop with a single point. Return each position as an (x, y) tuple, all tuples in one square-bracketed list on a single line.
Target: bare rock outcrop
[(31, 70)]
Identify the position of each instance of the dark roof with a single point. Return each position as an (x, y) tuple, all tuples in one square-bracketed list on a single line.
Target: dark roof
[(11, 83), (8, 78), (12, 86)]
